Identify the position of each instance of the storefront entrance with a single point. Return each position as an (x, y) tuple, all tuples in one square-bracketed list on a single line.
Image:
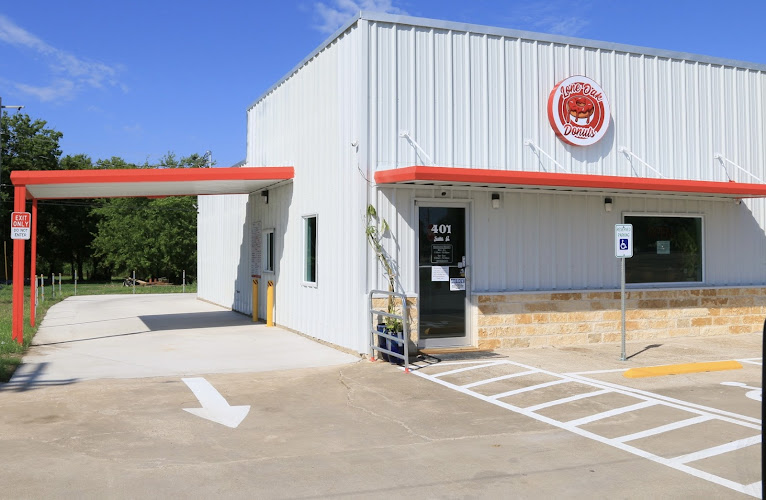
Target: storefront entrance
[(442, 263)]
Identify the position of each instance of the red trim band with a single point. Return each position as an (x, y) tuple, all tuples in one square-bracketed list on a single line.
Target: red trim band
[(556, 180), (31, 177)]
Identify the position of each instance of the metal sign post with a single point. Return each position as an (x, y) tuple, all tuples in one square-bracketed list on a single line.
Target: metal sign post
[(623, 249)]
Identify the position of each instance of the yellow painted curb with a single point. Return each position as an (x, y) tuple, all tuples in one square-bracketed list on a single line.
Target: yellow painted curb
[(657, 371)]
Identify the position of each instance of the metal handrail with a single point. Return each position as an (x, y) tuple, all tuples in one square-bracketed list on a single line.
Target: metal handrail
[(721, 158), (404, 340)]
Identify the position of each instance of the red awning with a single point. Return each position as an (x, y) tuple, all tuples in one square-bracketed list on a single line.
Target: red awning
[(63, 184), (513, 179)]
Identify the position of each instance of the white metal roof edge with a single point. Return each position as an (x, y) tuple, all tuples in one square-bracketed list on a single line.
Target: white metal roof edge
[(560, 39), (511, 33), (306, 59)]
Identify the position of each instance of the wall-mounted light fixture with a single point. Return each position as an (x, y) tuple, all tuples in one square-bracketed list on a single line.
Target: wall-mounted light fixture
[(608, 204), (265, 196), (495, 200)]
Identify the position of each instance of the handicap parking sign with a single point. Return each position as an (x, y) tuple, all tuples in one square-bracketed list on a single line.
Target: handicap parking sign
[(623, 240)]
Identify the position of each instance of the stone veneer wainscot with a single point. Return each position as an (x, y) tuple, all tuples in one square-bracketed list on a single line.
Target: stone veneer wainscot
[(529, 319)]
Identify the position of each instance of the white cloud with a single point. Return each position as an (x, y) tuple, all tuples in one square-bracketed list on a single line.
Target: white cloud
[(336, 12), (70, 72), (135, 128), (551, 17), (59, 90)]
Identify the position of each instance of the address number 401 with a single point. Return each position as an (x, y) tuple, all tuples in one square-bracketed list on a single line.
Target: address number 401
[(441, 229)]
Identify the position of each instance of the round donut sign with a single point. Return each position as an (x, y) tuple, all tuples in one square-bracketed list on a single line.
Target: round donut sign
[(578, 111)]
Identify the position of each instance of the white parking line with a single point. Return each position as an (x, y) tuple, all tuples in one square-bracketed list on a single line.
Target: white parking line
[(611, 413), (752, 361), (468, 368), (649, 399), (497, 379), (664, 428), (675, 403), (529, 388), (717, 450), (567, 400)]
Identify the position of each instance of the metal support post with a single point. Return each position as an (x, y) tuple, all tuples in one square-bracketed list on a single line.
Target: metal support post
[(622, 305), (270, 304), (255, 299)]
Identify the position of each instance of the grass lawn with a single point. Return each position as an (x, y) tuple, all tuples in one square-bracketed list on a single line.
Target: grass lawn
[(11, 352)]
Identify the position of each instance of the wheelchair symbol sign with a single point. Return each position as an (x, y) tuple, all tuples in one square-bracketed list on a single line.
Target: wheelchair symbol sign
[(623, 240)]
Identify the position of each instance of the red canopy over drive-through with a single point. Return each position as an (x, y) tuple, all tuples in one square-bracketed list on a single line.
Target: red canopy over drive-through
[(128, 183)]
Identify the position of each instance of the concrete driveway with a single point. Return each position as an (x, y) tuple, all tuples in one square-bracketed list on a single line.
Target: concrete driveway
[(512, 424), (135, 336)]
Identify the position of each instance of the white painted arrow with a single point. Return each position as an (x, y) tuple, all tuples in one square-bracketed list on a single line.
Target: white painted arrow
[(214, 406)]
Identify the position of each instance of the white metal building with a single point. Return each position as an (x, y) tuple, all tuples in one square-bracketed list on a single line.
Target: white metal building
[(502, 226)]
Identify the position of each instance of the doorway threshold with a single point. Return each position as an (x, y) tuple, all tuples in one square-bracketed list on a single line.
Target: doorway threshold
[(452, 350)]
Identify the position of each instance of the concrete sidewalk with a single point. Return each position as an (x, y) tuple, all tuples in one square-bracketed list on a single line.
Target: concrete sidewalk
[(135, 336)]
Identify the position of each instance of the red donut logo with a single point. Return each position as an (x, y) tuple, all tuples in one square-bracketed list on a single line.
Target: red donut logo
[(578, 111)]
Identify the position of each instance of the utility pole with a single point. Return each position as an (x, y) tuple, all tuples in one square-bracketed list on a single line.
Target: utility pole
[(1, 176), (1, 135)]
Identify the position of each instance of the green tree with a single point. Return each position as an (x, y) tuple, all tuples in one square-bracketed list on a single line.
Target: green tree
[(155, 237), (66, 227), (26, 145)]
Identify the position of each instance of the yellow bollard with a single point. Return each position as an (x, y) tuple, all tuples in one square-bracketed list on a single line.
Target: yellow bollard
[(270, 304), (255, 300)]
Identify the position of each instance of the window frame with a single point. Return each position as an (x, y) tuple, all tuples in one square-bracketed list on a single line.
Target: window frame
[(671, 284), (268, 254), (306, 257)]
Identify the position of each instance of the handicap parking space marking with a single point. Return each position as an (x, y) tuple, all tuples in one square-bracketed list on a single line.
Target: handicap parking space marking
[(755, 392), (752, 361), (645, 400)]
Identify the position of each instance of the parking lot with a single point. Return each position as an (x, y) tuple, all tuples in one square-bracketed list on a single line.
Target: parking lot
[(530, 423)]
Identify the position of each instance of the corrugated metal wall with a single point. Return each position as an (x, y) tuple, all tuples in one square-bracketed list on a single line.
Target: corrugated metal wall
[(312, 121), (223, 256), (471, 99), (566, 241)]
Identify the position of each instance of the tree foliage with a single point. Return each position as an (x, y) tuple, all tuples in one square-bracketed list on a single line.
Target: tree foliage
[(154, 237), (26, 144)]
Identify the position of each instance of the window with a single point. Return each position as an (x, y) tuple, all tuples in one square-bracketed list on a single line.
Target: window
[(310, 249), (268, 258), (666, 249)]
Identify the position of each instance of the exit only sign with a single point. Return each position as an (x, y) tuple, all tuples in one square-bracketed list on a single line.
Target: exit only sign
[(21, 225)]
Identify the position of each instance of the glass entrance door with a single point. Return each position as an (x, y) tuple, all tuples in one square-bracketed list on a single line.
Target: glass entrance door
[(442, 263)]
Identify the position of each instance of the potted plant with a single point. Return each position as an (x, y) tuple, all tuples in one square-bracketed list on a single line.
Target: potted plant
[(375, 230)]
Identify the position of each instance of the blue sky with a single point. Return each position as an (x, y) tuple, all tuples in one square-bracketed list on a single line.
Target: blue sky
[(142, 78)]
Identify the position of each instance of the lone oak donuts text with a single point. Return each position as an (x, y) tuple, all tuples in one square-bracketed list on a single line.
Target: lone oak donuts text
[(578, 111)]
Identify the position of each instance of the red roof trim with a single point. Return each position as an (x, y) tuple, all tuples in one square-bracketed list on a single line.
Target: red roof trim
[(37, 177), (556, 180)]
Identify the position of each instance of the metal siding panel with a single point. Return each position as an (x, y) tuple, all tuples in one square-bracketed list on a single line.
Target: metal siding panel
[(221, 235), (310, 121)]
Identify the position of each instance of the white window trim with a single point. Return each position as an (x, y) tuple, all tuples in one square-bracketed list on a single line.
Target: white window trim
[(265, 265), (315, 283), (672, 284)]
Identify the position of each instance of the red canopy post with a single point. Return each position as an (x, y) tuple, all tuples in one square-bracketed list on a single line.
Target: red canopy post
[(19, 204)]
